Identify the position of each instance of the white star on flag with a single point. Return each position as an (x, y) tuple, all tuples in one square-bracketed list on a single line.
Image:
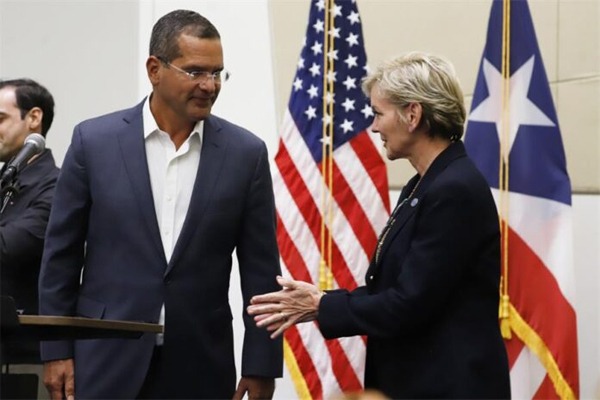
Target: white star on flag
[(298, 84), (348, 104), (335, 32), (311, 112), (354, 18), (522, 111), (326, 140), (319, 26), (367, 111), (317, 48), (313, 91), (347, 125), (315, 70), (350, 83), (336, 10), (352, 39), (351, 61)]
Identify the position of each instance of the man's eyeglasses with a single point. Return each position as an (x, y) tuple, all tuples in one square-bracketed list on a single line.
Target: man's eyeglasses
[(201, 76)]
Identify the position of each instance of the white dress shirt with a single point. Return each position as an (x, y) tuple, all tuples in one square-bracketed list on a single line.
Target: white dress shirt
[(172, 176)]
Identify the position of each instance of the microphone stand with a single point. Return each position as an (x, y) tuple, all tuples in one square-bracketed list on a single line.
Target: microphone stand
[(6, 193)]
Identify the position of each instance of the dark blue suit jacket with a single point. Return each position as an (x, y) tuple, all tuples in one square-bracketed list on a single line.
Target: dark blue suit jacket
[(22, 229), (430, 306), (104, 221)]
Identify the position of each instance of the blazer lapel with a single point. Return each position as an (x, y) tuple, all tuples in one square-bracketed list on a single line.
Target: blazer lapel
[(133, 153), (454, 151), (400, 219), (214, 143)]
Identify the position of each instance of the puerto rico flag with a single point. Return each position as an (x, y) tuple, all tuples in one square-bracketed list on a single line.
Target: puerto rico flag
[(514, 138)]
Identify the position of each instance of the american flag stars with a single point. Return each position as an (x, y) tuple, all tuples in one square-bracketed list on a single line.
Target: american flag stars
[(337, 42)]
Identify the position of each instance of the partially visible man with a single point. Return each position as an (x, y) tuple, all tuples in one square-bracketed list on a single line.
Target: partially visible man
[(150, 205), (25, 107)]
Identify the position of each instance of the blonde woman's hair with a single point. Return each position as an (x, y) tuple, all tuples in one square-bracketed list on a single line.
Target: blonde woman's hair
[(426, 79)]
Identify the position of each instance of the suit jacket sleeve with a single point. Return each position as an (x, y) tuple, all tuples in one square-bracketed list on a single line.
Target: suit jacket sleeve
[(21, 238), (258, 258), (443, 242), (64, 247)]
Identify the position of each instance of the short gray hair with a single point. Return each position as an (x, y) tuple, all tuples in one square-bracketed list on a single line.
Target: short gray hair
[(426, 79)]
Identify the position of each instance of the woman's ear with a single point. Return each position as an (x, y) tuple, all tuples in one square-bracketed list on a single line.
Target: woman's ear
[(414, 115)]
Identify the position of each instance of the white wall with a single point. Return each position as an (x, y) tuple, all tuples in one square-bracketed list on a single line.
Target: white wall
[(90, 54), (586, 223), (84, 52)]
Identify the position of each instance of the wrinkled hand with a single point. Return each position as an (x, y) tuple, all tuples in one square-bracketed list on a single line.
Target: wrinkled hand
[(256, 387), (59, 379), (297, 302)]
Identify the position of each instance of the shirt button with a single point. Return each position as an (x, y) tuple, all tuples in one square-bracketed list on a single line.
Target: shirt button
[(370, 277)]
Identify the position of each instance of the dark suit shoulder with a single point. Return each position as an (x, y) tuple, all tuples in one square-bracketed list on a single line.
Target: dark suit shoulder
[(463, 179), (43, 166), (107, 123), (454, 168), (238, 133)]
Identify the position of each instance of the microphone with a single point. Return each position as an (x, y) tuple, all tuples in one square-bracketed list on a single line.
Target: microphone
[(34, 144)]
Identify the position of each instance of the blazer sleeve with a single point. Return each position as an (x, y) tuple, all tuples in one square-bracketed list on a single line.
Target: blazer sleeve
[(448, 232), (22, 238), (258, 258), (64, 247)]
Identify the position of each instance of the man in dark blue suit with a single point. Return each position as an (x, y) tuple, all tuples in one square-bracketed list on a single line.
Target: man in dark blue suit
[(150, 205), (26, 107)]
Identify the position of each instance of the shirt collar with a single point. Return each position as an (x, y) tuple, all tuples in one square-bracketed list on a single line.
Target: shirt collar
[(150, 125)]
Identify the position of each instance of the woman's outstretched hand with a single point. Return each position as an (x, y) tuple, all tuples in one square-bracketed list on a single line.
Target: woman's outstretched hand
[(296, 302)]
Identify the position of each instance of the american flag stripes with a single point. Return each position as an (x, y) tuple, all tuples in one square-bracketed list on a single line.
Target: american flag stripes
[(331, 190), (513, 136)]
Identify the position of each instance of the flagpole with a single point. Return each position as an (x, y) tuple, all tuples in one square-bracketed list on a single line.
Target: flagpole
[(503, 181), (326, 262), (331, 90)]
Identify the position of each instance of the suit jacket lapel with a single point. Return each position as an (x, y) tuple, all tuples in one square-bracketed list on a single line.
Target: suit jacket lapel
[(400, 219), (453, 152), (214, 143), (133, 152)]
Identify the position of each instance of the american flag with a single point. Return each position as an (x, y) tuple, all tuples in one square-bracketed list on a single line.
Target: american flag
[(331, 190), (513, 135)]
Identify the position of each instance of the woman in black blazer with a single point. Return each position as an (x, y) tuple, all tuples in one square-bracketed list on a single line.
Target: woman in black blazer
[(429, 308)]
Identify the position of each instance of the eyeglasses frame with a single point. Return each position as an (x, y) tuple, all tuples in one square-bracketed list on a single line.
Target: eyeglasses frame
[(200, 77)]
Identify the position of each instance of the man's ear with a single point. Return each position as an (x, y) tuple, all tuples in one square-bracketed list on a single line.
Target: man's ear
[(153, 69), (34, 119)]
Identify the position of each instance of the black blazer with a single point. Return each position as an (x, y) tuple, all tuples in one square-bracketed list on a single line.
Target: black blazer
[(430, 306), (103, 220), (22, 229)]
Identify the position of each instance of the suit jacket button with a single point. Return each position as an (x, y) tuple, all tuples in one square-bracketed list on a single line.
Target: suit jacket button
[(371, 277)]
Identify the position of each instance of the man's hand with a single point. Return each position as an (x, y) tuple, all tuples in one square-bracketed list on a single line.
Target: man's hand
[(59, 379), (257, 388)]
